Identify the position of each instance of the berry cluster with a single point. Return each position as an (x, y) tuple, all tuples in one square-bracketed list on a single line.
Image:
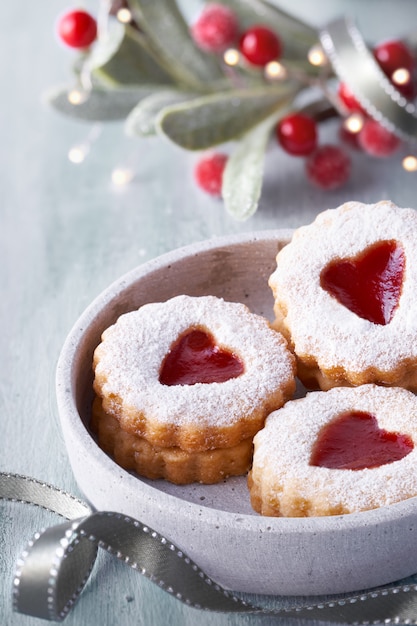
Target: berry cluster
[(328, 166), (399, 66), (217, 31), (217, 28)]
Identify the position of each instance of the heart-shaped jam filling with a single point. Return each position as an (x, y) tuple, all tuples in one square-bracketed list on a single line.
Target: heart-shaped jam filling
[(369, 284), (354, 441), (195, 358)]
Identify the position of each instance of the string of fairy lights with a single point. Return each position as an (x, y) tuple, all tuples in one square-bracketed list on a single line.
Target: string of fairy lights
[(120, 175), (232, 58)]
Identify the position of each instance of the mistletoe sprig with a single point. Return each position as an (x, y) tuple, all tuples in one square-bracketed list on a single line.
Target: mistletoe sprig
[(235, 75)]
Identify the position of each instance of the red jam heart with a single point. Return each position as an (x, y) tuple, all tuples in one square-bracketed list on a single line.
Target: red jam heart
[(195, 358), (354, 441), (369, 284)]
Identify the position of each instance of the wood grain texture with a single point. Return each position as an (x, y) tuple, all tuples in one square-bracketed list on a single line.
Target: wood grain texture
[(65, 234)]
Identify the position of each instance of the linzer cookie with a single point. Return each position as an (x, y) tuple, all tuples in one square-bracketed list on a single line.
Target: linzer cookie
[(345, 296), (340, 451), (188, 376), (172, 463)]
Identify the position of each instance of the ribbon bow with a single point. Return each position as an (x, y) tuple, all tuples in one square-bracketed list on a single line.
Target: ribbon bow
[(53, 570)]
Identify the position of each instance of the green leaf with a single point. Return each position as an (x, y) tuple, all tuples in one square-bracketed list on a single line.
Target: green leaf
[(100, 105), (120, 58), (243, 175), (297, 36), (211, 120), (142, 119), (168, 36)]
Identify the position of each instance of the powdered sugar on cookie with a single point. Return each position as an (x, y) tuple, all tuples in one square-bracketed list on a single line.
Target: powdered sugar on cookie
[(199, 416), (283, 481), (333, 343)]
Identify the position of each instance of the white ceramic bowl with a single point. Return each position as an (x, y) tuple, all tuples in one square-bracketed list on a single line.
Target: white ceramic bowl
[(215, 524)]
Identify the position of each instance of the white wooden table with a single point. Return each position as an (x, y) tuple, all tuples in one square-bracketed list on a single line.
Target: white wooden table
[(66, 233)]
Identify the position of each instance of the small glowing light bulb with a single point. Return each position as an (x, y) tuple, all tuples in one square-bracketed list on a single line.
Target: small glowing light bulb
[(124, 16), (354, 123), (316, 56), (76, 96), (78, 153), (231, 57), (401, 76), (121, 176), (410, 163), (274, 69)]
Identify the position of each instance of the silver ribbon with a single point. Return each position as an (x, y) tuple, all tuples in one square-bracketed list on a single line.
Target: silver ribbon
[(356, 66), (54, 568)]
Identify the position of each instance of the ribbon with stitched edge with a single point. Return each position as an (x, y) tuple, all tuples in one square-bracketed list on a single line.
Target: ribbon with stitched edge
[(52, 571), (355, 64)]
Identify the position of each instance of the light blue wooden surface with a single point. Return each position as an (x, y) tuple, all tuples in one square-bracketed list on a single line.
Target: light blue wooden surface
[(66, 233)]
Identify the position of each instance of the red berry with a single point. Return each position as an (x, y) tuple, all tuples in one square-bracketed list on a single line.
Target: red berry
[(297, 134), (408, 89), (328, 167), (208, 172), (216, 28), (392, 55), (377, 140), (348, 137), (78, 29), (348, 99), (260, 45)]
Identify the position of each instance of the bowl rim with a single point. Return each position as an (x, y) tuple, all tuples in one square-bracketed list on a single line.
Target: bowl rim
[(72, 422)]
